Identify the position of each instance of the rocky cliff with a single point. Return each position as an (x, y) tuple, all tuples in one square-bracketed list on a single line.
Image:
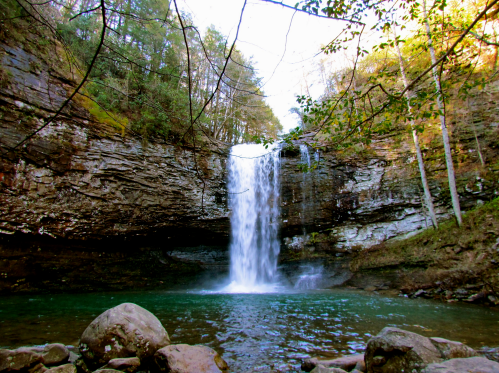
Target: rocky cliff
[(86, 205), (92, 187), (349, 201)]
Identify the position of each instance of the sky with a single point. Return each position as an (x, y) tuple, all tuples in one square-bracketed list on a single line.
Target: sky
[(281, 41)]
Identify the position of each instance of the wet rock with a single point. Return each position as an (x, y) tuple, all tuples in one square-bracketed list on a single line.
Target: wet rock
[(73, 357), (448, 294), (127, 330), (418, 293), (66, 368), (129, 365), (323, 369), (397, 350), (452, 349), (183, 358), (107, 371), (491, 353), (461, 293), (493, 299), (55, 354), (81, 366), (476, 297), (308, 364), (38, 368), (464, 365), (20, 359), (346, 362)]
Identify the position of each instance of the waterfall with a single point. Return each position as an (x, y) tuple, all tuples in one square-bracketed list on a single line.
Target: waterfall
[(305, 184), (254, 203)]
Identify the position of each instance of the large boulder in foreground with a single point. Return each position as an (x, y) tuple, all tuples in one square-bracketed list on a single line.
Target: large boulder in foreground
[(126, 330), (184, 358), (395, 350), (464, 365)]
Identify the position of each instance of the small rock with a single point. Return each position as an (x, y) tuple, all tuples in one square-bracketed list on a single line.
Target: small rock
[(183, 358), (461, 293), (323, 369), (129, 365), (346, 363), (22, 358), (476, 297), (81, 366), (55, 354), (491, 353), (107, 371), (309, 364), (66, 368), (493, 299), (370, 288), (452, 349), (418, 293), (464, 365), (38, 368)]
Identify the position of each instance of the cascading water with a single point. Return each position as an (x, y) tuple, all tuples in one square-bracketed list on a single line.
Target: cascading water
[(254, 202)]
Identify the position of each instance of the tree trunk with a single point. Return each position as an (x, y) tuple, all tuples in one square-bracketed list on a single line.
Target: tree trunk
[(443, 125), (422, 172), (472, 123)]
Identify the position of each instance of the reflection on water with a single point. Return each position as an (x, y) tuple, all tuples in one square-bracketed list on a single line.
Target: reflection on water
[(253, 332)]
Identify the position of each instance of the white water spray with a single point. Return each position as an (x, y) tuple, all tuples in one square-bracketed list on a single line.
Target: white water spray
[(254, 201)]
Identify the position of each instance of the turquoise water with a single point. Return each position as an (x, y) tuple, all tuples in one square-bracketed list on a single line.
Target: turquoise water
[(253, 332)]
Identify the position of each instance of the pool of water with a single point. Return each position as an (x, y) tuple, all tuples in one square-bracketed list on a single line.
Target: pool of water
[(253, 332)]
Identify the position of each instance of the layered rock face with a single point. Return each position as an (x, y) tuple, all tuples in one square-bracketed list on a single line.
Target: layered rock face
[(82, 200), (358, 201), (80, 179)]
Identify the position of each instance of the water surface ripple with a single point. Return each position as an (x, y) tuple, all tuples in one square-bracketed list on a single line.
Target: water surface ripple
[(253, 332)]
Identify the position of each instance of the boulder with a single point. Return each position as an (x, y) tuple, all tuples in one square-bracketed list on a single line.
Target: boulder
[(129, 364), (395, 350), (346, 363), (22, 358), (66, 368), (464, 365), (183, 358), (126, 330), (451, 349)]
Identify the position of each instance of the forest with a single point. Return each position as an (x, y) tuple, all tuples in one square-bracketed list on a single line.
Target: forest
[(148, 70), (432, 60)]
